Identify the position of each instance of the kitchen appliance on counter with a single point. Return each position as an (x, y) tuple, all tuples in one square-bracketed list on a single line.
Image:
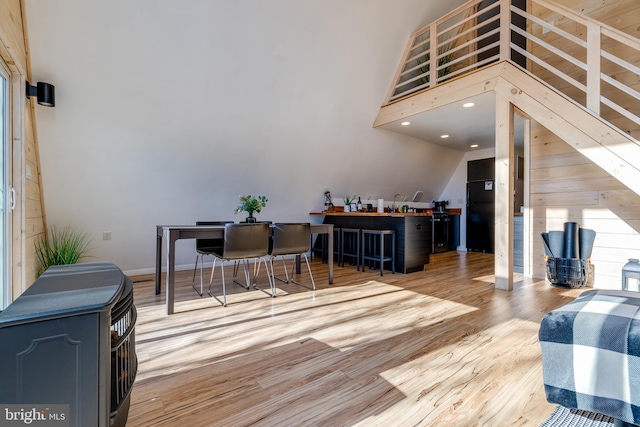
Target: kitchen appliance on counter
[(440, 227), (440, 206)]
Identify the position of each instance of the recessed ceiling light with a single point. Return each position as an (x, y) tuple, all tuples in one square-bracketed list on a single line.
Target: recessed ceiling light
[(474, 146), (444, 136), (405, 123), (468, 105)]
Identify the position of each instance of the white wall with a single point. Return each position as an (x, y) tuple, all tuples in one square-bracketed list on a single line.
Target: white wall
[(166, 111)]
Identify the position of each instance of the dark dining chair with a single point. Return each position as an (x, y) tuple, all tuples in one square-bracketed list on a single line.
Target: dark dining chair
[(206, 247), (290, 239), (243, 243)]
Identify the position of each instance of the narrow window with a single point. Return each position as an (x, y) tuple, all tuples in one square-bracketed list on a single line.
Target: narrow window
[(6, 193)]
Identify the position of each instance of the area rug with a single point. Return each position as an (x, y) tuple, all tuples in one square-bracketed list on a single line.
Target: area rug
[(565, 417)]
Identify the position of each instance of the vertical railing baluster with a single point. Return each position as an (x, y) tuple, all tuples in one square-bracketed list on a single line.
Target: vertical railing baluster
[(433, 54), (505, 29), (593, 67)]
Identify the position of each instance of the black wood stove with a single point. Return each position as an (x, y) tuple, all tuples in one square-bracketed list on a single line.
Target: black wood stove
[(67, 347)]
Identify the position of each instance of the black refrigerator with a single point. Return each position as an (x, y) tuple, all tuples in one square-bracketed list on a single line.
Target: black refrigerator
[(480, 205)]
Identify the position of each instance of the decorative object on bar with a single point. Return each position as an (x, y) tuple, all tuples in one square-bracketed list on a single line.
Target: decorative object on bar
[(567, 256), (328, 202), (347, 203), (45, 92), (251, 204), (631, 276)]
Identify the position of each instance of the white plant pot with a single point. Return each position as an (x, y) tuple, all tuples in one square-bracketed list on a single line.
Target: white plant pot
[(347, 208)]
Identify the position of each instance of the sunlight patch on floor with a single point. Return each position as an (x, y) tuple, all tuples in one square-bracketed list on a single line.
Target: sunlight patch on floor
[(449, 370)]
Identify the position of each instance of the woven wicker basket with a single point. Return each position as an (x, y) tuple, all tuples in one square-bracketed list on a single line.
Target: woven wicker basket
[(569, 272)]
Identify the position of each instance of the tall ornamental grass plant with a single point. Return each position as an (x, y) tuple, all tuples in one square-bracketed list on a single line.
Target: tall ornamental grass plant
[(66, 246)]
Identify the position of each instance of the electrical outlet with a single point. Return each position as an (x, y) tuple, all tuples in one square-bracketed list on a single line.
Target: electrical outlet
[(106, 235)]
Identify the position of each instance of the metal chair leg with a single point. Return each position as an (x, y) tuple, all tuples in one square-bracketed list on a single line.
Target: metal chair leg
[(273, 273), (313, 283), (224, 292), (193, 280), (255, 278)]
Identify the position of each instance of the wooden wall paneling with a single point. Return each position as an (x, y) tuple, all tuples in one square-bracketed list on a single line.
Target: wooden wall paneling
[(622, 197), (575, 186), (33, 154), (582, 198), (576, 126), (33, 227), (14, 51), (608, 225), (570, 159), (615, 214), (563, 172), (11, 34)]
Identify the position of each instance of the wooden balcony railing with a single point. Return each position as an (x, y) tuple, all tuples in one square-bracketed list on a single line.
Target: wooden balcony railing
[(578, 56)]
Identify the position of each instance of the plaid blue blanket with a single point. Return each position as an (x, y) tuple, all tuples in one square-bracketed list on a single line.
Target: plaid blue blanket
[(591, 354)]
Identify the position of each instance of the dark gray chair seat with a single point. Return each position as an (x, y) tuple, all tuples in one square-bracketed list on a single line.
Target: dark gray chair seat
[(206, 247), (243, 243), (291, 239)]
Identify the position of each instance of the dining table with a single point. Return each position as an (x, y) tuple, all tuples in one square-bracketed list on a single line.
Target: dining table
[(172, 233)]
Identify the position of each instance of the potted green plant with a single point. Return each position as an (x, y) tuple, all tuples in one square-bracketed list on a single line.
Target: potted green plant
[(347, 203), (64, 247), (251, 204)]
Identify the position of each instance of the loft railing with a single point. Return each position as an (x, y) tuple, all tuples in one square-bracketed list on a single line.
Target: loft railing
[(577, 55)]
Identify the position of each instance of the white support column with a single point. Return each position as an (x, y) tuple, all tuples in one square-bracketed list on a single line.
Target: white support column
[(504, 195), (527, 243)]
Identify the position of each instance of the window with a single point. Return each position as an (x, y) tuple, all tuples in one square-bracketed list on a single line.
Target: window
[(6, 192)]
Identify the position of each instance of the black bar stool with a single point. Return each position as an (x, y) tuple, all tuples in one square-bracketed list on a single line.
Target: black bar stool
[(350, 246), (324, 240), (373, 248)]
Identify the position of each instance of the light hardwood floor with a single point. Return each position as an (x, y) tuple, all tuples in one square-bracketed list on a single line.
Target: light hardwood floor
[(435, 348)]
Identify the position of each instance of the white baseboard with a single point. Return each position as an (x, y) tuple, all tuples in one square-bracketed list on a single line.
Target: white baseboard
[(144, 271)]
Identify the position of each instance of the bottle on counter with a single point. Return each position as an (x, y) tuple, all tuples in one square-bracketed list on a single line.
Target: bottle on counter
[(359, 205)]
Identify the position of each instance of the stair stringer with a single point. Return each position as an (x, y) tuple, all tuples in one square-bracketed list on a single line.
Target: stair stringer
[(614, 151)]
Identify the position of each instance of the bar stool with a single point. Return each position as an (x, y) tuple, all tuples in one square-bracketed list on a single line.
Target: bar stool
[(349, 245), (373, 248), (324, 238)]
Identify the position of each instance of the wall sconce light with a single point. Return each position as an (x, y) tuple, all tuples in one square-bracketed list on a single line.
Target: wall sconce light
[(45, 92), (631, 276)]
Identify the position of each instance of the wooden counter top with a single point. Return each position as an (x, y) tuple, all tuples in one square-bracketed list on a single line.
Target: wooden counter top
[(455, 211), (389, 214)]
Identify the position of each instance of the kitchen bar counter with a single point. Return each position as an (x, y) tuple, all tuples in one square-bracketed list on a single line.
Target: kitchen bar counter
[(455, 211), (413, 233)]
